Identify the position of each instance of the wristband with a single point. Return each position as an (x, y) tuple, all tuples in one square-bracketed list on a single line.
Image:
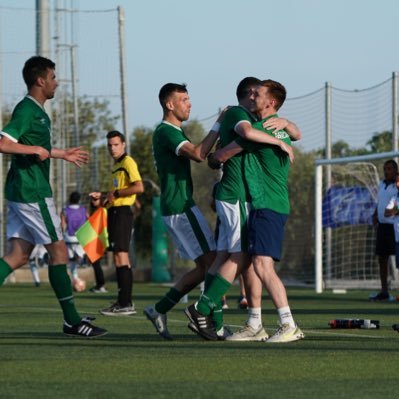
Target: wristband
[(216, 127)]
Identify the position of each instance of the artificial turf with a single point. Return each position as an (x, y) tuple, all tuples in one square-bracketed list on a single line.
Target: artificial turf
[(132, 361)]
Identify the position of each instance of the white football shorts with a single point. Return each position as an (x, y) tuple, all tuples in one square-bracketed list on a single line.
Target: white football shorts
[(191, 233), (37, 223), (233, 227)]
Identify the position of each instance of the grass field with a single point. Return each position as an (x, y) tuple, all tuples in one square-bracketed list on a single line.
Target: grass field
[(132, 361)]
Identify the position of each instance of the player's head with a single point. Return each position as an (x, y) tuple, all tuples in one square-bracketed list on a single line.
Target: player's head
[(174, 100), (116, 133), (275, 92), (390, 170), (116, 144), (246, 92), (40, 71), (74, 198), (246, 86)]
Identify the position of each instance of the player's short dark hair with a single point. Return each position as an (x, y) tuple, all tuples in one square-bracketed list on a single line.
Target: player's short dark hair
[(116, 133), (168, 89), (36, 67), (244, 85), (74, 197), (392, 162), (276, 90)]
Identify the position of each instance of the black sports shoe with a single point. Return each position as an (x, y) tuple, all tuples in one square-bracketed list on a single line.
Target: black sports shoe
[(381, 296), (84, 329), (117, 310), (396, 327), (200, 324)]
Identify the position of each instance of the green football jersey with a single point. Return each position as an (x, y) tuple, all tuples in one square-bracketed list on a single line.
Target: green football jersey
[(266, 171), (28, 177), (232, 186), (174, 171)]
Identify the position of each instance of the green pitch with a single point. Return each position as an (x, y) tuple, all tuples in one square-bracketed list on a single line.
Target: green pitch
[(132, 361)]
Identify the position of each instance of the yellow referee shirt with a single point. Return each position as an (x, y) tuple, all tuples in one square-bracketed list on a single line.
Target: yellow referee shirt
[(124, 173)]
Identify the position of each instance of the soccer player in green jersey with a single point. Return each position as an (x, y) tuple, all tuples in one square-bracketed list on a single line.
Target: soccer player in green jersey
[(266, 174), (32, 217), (231, 197), (173, 153)]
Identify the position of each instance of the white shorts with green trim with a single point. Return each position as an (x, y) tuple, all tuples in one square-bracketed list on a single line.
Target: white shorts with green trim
[(75, 250), (37, 223), (233, 227), (191, 233)]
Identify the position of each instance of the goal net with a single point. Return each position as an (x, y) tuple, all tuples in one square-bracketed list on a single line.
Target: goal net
[(346, 198)]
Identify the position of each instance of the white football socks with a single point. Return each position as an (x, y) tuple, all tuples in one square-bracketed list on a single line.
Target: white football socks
[(286, 316), (255, 318)]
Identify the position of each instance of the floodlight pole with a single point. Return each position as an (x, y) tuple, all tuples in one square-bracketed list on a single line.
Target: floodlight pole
[(122, 69), (328, 127), (75, 110), (395, 112)]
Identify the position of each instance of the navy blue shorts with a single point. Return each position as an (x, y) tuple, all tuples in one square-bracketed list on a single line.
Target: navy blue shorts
[(266, 233), (397, 255), (385, 243)]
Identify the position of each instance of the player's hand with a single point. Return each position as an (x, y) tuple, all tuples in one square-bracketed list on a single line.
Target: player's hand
[(288, 149), (213, 163), (109, 198), (76, 156), (275, 124), (42, 153), (95, 195), (223, 113)]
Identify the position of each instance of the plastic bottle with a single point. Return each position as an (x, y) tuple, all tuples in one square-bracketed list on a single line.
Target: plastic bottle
[(354, 323)]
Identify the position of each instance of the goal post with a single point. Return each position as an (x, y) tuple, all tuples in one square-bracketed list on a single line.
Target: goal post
[(340, 257)]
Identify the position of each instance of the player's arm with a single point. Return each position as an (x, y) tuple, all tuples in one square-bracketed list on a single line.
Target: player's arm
[(276, 124), (75, 155), (63, 221), (247, 132), (200, 151), (223, 154), (136, 187), (8, 146), (392, 208)]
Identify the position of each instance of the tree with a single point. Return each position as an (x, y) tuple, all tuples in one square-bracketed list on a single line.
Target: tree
[(141, 151), (380, 142), (95, 120), (297, 258)]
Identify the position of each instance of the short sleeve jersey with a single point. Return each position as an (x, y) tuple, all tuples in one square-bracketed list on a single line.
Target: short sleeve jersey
[(232, 186), (386, 190), (266, 171), (174, 171), (28, 177), (123, 174), (394, 203)]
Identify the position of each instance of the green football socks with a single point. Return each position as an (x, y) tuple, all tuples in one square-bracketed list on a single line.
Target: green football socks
[(217, 315), (5, 270), (212, 296), (61, 284), (208, 279)]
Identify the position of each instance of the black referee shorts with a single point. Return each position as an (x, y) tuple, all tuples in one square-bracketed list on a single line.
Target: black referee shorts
[(120, 225), (385, 243)]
